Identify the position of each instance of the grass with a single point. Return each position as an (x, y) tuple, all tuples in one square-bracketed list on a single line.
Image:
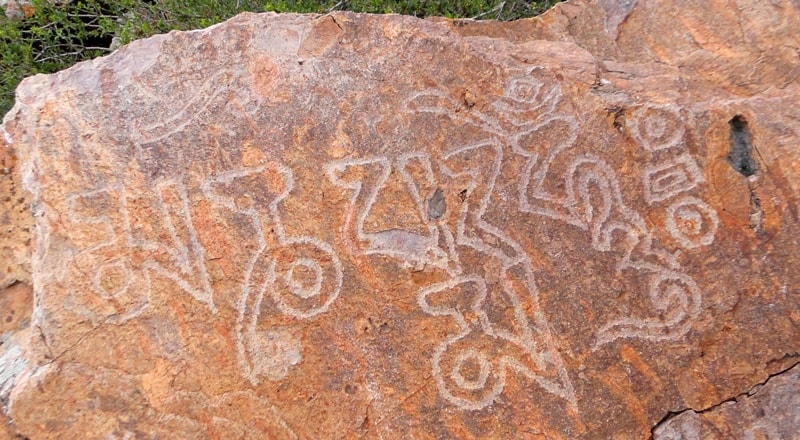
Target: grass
[(52, 35)]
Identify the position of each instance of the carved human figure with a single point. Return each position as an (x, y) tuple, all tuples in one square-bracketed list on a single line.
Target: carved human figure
[(526, 120), (489, 350)]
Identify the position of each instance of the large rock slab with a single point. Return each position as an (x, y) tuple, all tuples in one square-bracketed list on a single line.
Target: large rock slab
[(355, 226)]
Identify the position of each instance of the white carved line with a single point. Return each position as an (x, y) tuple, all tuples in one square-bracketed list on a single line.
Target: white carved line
[(601, 225), (337, 282), (98, 275), (432, 101), (504, 363), (524, 95), (649, 128), (191, 262), (296, 287), (243, 355), (614, 216), (288, 182), (397, 243), (349, 227), (462, 403), (436, 102), (483, 375), (687, 304), (201, 100), (273, 353), (103, 220), (671, 178), (143, 294), (533, 197), (475, 216), (680, 301), (464, 330), (424, 160), (701, 218), (524, 90), (426, 249)]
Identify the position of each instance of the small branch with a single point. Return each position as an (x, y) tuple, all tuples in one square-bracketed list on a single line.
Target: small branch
[(95, 16), (70, 54), (57, 57), (498, 9), (337, 5)]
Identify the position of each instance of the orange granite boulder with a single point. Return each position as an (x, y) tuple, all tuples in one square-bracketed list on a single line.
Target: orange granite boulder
[(358, 226)]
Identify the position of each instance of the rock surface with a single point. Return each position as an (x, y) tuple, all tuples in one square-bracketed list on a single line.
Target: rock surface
[(769, 411), (354, 226)]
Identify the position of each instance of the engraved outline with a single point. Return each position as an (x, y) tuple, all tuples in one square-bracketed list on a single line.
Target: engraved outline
[(683, 167), (701, 208), (246, 329)]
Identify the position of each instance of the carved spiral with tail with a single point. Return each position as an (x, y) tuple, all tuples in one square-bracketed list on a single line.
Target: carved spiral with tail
[(299, 276)]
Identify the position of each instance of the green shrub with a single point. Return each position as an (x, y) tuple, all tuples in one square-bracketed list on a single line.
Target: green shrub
[(61, 33)]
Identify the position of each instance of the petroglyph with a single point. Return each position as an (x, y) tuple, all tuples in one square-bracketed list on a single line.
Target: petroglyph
[(689, 220), (200, 99), (492, 350), (186, 255), (657, 127), (512, 346), (591, 199), (366, 178), (125, 287), (119, 293), (300, 276), (298, 226), (612, 226), (667, 179), (692, 222), (533, 196), (676, 298), (481, 163)]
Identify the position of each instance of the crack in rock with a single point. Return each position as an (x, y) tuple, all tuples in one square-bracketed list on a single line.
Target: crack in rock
[(687, 423)]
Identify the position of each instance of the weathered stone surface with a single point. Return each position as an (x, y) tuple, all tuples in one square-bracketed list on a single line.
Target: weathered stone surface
[(354, 226), (768, 411), (16, 223)]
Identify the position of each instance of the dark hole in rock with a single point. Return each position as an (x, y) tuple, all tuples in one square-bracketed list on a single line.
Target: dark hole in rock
[(740, 154)]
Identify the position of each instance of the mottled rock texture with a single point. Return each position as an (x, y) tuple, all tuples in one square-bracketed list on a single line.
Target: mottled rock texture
[(768, 411), (354, 226)]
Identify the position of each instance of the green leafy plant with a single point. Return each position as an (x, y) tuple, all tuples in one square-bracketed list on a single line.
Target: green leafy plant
[(57, 34)]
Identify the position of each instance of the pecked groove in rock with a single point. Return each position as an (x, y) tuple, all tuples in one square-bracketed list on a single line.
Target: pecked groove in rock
[(380, 227)]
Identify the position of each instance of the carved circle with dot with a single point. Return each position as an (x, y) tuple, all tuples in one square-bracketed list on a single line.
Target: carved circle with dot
[(692, 222), (657, 127), (300, 287), (468, 360)]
